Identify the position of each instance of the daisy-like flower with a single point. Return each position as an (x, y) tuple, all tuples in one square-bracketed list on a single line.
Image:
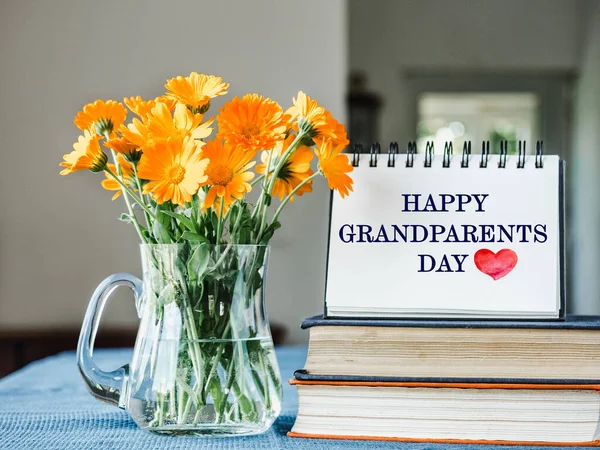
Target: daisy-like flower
[(135, 134), (174, 169), (170, 102), (196, 90), (293, 172), (139, 106), (253, 123), (162, 125), (102, 118), (122, 145), (335, 166), (86, 155), (110, 184), (228, 173), (314, 120)]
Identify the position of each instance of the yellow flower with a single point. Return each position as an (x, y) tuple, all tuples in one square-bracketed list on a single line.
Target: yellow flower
[(170, 102), (162, 125), (87, 155), (110, 184), (122, 145), (101, 117), (174, 169), (196, 90), (139, 106), (340, 137), (314, 120), (252, 122), (335, 167), (135, 134), (228, 173), (293, 172)]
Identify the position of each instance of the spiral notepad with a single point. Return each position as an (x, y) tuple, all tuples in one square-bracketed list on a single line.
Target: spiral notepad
[(451, 235)]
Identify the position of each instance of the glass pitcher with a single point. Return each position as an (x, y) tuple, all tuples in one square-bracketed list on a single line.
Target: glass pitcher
[(203, 362)]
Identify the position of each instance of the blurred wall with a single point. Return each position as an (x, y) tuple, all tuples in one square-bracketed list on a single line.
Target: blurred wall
[(388, 39), (59, 237), (585, 173)]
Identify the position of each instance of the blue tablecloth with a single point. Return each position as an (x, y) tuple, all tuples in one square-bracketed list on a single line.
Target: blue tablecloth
[(46, 406)]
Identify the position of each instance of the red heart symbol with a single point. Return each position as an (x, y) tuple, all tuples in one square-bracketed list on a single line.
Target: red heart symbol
[(496, 265)]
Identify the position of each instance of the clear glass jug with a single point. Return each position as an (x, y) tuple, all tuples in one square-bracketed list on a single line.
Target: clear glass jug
[(203, 362)]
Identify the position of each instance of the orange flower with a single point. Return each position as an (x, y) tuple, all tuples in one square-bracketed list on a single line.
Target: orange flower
[(139, 106), (340, 137), (162, 125), (121, 145), (228, 173), (175, 169), (110, 184), (100, 117), (87, 155), (335, 167), (252, 122), (293, 172), (314, 120), (196, 90), (170, 102), (134, 134)]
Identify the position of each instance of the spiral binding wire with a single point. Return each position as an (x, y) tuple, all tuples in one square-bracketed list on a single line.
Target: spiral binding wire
[(411, 151), (392, 154), (466, 155)]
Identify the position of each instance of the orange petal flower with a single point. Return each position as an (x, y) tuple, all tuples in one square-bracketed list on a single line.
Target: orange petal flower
[(87, 155), (139, 106), (196, 90), (293, 172), (135, 133), (228, 173), (252, 122), (101, 117), (174, 169), (162, 125), (314, 120), (170, 102), (121, 145), (110, 184), (335, 167)]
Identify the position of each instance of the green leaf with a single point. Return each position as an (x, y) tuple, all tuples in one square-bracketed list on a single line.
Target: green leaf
[(215, 389), (185, 221), (198, 262), (160, 233), (167, 295), (268, 234), (125, 218), (193, 237)]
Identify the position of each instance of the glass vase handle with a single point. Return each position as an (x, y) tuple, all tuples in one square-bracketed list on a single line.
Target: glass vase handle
[(105, 386)]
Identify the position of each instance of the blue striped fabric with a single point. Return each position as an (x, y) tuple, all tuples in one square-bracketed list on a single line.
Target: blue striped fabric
[(46, 406)]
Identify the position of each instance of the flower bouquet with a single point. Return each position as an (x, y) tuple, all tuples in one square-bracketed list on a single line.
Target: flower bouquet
[(203, 361)]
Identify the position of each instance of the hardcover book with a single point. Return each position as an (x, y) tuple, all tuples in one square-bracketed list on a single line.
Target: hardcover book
[(491, 351), (557, 415)]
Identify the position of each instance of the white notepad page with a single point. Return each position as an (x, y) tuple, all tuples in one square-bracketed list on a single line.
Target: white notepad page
[(383, 278)]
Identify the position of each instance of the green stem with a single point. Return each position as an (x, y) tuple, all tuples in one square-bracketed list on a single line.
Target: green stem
[(124, 189), (271, 182), (291, 194), (138, 201), (139, 186), (133, 195), (220, 223), (257, 180)]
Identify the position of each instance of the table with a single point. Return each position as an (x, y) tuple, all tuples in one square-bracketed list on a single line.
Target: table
[(46, 406)]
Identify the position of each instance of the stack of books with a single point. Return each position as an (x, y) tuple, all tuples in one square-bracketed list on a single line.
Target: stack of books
[(525, 382), (445, 307)]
